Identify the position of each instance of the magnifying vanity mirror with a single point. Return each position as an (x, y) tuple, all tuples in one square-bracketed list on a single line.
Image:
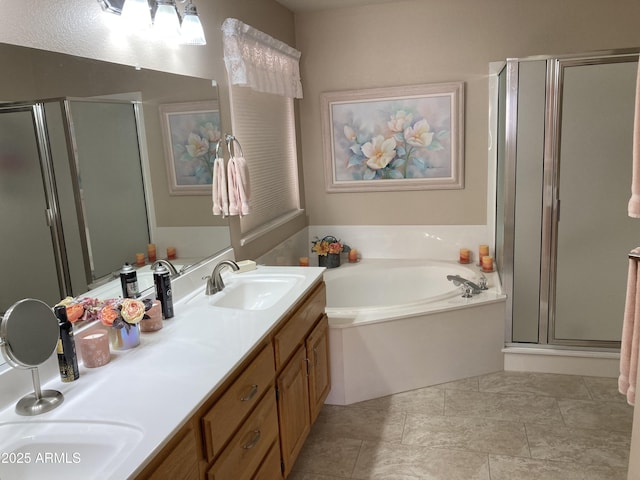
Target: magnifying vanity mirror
[(22, 348)]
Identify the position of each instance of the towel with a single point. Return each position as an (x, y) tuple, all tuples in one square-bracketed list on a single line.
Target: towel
[(630, 334), (634, 202), (238, 176), (219, 188)]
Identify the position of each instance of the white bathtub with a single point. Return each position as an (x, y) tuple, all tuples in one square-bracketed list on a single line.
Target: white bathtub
[(398, 325)]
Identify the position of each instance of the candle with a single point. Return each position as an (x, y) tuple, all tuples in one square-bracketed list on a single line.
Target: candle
[(353, 255), (154, 322), (171, 253), (487, 263), (139, 259), (483, 251), (94, 348), (303, 261), (465, 255), (151, 252)]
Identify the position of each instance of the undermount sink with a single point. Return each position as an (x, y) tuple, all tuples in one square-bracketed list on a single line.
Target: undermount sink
[(64, 449), (252, 292)]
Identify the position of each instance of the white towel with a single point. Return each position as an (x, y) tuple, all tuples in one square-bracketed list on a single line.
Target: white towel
[(629, 348), (238, 177), (634, 201), (219, 188)]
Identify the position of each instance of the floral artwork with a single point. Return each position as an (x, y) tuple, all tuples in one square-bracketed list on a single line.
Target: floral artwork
[(394, 138), (191, 134)]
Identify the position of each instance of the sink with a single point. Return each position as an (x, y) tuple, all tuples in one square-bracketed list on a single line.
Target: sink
[(252, 292), (64, 449)]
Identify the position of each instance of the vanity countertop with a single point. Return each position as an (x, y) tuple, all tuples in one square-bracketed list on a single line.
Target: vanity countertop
[(157, 386)]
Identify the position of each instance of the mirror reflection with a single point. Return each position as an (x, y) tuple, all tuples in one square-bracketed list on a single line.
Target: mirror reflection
[(83, 176)]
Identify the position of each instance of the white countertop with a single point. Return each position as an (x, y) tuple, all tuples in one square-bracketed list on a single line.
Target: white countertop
[(158, 385)]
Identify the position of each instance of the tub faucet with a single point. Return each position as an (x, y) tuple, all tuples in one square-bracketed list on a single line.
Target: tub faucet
[(470, 287), (214, 281), (167, 264)]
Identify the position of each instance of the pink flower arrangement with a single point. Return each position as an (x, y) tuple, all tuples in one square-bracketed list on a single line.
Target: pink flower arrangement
[(113, 312), (328, 245)]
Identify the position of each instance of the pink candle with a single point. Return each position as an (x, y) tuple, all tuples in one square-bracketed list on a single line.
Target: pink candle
[(94, 348), (151, 252), (171, 253), (483, 251), (154, 322), (353, 255), (487, 263), (303, 261), (139, 259), (465, 255)]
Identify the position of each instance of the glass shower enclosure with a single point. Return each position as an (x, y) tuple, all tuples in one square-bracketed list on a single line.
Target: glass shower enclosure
[(563, 179), (72, 198)]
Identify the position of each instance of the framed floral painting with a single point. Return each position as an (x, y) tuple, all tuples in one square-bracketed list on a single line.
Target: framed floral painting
[(190, 132), (398, 138)]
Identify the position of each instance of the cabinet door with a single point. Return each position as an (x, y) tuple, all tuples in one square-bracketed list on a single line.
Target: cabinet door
[(179, 460), (318, 354), (293, 408)]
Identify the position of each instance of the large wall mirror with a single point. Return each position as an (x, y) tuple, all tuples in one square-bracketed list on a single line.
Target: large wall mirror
[(45, 251)]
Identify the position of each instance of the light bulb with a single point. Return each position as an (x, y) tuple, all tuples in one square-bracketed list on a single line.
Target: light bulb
[(166, 22), (191, 32), (136, 14)]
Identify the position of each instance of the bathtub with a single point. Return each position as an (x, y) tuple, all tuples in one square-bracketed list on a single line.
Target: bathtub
[(398, 325)]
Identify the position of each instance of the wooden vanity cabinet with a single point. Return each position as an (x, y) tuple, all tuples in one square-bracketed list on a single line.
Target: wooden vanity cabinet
[(254, 425), (302, 379)]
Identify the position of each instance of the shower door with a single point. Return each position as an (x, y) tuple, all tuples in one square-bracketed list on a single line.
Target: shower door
[(590, 229), (30, 232)]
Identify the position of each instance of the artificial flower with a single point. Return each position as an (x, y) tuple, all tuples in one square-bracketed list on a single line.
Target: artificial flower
[(108, 314), (75, 312), (132, 311), (328, 245)]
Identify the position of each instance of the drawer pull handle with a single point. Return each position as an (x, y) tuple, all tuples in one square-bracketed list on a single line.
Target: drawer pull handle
[(254, 440), (252, 393)]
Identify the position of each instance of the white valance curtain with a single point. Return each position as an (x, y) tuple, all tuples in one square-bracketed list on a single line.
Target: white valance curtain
[(257, 60)]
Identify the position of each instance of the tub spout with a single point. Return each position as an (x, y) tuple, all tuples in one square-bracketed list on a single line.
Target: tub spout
[(470, 287)]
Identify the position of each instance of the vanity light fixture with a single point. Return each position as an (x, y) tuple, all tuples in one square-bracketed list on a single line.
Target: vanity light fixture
[(162, 16)]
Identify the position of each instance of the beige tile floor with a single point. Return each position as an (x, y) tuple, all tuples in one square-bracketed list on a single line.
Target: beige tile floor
[(501, 426)]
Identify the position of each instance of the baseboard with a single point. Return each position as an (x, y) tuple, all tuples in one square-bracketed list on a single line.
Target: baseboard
[(570, 362)]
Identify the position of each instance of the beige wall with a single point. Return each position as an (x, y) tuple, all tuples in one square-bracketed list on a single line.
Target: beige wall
[(430, 41)]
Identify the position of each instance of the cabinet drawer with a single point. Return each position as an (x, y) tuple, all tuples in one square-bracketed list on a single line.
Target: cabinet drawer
[(270, 468), (219, 423), (292, 334), (244, 454)]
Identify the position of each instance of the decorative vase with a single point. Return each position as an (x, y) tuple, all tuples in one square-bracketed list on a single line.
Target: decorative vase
[(124, 338), (331, 260)]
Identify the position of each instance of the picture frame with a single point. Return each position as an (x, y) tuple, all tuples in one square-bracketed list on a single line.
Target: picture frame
[(190, 134), (394, 138)]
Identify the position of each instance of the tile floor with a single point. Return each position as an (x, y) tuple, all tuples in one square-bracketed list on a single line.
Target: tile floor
[(501, 426)]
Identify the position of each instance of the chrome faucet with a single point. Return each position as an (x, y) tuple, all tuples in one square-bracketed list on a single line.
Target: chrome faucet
[(167, 264), (470, 288), (214, 281)]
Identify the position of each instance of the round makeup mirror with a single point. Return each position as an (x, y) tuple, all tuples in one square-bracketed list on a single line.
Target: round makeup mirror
[(29, 334)]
